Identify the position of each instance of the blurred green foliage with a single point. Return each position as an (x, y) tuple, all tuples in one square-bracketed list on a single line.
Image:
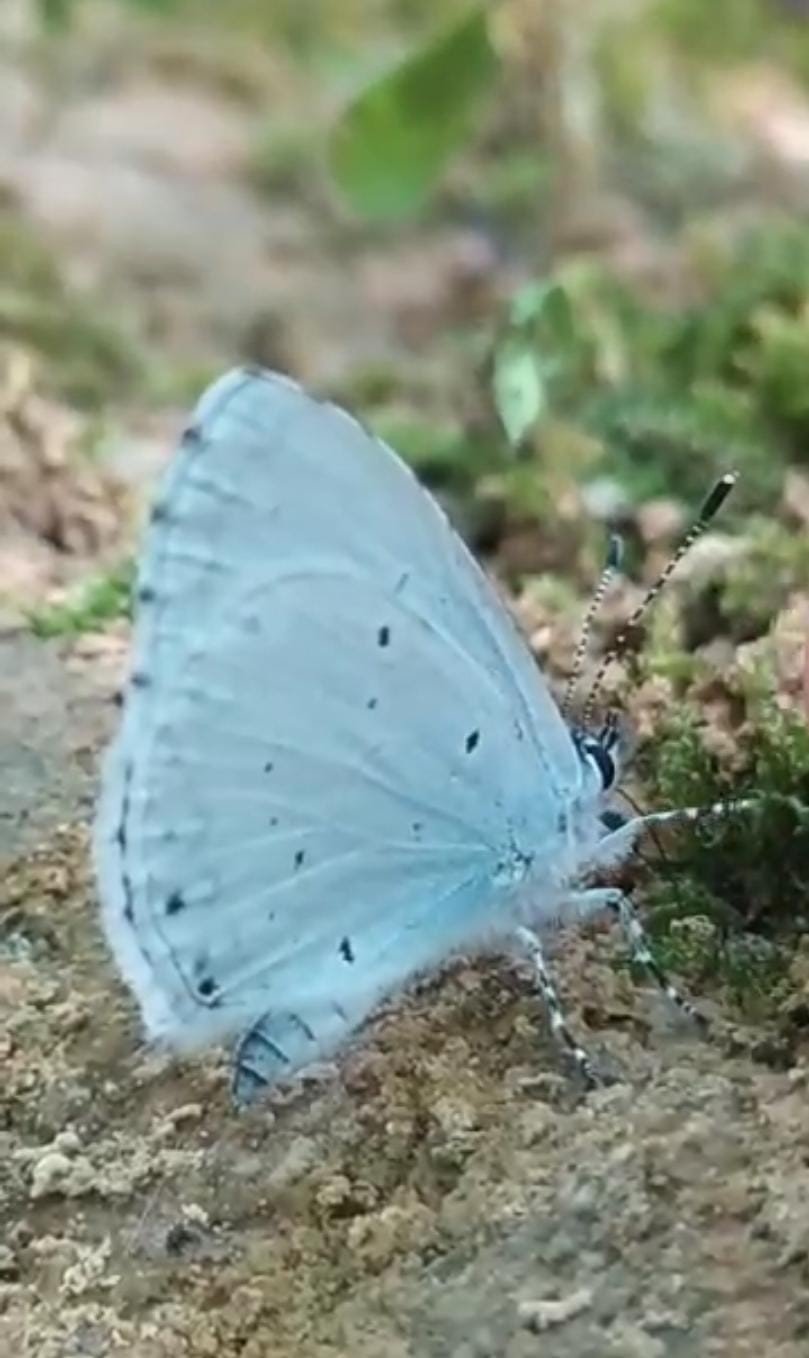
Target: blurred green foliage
[(91, 354), (729, 31), (773, 566), (392, 143), (96, 602), (57, 14), (648, 73), (673, 394)]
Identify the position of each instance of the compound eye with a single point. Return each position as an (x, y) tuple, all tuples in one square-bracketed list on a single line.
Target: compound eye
[(603, 761)]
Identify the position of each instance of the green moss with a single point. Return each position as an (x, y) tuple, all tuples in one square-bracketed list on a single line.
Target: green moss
[(743, 876), (663, 654), (97, 602)]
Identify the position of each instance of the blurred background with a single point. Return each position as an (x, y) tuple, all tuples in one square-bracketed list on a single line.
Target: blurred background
[(559, 256)]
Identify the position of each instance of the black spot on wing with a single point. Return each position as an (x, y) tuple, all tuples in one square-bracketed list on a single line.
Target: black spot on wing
[(207, 987), (269, 766), (299, 857), (175, 903), (371, 704), (383, 636), (472, 741), (126, 881), (346, 950)]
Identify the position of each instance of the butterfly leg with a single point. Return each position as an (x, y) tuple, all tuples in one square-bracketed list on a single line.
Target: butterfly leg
[(619, 904), (530, 944), (615, 846)]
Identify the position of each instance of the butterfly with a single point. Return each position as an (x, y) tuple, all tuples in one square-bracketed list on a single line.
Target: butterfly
[(338, 764)]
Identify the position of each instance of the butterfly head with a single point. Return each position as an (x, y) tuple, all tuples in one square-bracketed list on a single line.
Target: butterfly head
[(602, 754)]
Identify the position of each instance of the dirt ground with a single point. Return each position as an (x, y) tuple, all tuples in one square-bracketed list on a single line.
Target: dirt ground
[(445, 1190)]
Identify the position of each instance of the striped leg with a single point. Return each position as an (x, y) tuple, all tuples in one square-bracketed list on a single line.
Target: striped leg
[(618, 844), (531, 945), (610, 898)]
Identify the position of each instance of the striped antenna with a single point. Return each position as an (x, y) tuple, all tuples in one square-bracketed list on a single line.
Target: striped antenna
[(713, 503), (615, 553)]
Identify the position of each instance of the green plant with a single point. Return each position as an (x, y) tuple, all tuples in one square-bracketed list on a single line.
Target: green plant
[(732, 873), (393, 142), (95, 603), (673, 394)]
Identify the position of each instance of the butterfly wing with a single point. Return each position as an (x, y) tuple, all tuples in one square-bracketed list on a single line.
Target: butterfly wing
[(336, 752)]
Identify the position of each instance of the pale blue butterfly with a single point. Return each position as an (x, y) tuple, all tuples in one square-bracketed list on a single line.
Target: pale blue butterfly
[(338, 764)]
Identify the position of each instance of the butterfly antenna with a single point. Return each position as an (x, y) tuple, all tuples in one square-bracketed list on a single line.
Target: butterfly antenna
[(713, 503), (612, 564)]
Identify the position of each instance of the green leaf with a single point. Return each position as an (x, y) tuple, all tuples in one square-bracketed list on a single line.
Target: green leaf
[(393, 142), (519, 388), (545, 302), (530, 300)]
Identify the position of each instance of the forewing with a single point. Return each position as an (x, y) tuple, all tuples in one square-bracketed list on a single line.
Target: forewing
[(270, 479), (333, 739)]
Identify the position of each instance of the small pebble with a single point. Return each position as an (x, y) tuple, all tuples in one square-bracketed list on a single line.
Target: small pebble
[(543, 1315), (49, 1173), (67, 1142)]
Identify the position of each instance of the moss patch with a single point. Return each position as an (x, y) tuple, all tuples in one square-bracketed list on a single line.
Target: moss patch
[(730, 894)]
